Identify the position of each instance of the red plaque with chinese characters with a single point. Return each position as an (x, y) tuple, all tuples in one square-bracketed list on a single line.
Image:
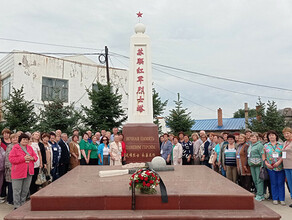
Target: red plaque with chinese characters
[(142, 142)]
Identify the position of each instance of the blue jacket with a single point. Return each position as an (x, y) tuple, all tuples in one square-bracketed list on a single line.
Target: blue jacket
[(166, 149), (100, 151)]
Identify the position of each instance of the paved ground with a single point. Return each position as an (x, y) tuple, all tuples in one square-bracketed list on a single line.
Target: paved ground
[(284, 211)]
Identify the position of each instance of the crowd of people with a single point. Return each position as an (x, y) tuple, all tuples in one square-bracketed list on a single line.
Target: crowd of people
[(241, 157), (30, 161)]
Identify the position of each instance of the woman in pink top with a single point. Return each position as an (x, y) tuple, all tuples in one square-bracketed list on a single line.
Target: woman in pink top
[(22, 158)]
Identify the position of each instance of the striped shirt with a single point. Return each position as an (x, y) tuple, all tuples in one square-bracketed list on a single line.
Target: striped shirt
[(230, 157)]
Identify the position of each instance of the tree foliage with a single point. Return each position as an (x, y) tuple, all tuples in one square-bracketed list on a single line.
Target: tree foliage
[(179, 119), (158, 105), (19, 113), (240, 113), (55, 115), (105, 111), (270, 118), (158, 108)]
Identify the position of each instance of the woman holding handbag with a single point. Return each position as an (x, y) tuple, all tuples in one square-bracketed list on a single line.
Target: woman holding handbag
[(35, 137), (241, 160), (254, 154), (272, 155), (22, 158)]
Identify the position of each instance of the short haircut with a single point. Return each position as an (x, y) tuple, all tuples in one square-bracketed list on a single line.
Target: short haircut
[(181, 132), (195, 134), (52, 134), (23, 136), (287, 129), (73, 136), (45, 135), (13, 136), (6, 130), (243, 135), (231, 136), (272, 132), (225, 132), (166, 134), (248, 130), (122, 136), (216, 135), (84, 135), (254, 134), (175, 137)]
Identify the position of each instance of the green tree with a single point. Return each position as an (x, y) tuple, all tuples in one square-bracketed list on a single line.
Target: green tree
[(270, 119), (19, 113), (158, 108), (179, 119), (273, 120), (55, 115), (240, 113), (158, 105), (105, 111)]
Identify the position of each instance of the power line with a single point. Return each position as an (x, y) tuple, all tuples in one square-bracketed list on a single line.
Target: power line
[(157, 64), (48, 44), (221, 89), (212, 76), (222, 78), (186, 98), (47, 53)]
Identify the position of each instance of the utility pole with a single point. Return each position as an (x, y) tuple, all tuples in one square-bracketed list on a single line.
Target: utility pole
[(107, 68), (103, 59)]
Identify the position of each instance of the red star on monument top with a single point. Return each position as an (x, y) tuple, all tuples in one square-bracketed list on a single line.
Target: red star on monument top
[(139, 14)]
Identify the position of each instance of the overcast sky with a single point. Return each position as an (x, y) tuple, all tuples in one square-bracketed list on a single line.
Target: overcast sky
[(243, 40)]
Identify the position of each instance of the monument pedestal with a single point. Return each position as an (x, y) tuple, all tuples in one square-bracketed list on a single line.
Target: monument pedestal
[(194, 192), (142, 142)]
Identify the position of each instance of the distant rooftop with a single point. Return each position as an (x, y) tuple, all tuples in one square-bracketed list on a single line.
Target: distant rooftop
[(212, 124)]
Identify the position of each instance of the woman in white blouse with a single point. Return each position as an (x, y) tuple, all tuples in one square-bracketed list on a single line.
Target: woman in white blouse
[(177, 152)]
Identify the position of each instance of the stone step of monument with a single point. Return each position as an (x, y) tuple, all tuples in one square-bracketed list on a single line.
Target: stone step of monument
[(188, 187), (259, 212)]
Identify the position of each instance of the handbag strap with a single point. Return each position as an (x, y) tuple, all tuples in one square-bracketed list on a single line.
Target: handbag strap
[(23, 148)]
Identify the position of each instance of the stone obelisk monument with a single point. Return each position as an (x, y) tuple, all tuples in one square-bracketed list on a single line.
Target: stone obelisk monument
[(141, 134)]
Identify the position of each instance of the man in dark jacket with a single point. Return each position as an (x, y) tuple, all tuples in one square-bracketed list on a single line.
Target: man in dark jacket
[(65, 155)]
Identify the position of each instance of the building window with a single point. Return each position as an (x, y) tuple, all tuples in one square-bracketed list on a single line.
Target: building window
[(54, 88), (6, 88)]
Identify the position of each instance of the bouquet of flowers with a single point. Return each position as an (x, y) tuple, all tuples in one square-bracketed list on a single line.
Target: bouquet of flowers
[(145, 180)]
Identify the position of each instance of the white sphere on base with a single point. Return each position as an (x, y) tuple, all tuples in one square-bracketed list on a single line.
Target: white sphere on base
[(140, 28), (158, 162)]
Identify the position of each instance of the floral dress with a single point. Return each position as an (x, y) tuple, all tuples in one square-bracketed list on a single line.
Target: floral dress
[(273, 154)]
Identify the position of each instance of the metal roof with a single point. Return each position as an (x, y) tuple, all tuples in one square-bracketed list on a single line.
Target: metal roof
[(212, 124)]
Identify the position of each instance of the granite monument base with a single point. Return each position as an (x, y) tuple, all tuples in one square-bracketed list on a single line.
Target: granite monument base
[(142, 142), (194, 192)]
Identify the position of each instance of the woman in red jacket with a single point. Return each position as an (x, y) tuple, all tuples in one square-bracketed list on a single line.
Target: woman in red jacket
[(22, 158)]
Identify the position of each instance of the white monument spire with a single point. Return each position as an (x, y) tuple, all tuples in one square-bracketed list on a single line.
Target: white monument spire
[(140, 107)]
